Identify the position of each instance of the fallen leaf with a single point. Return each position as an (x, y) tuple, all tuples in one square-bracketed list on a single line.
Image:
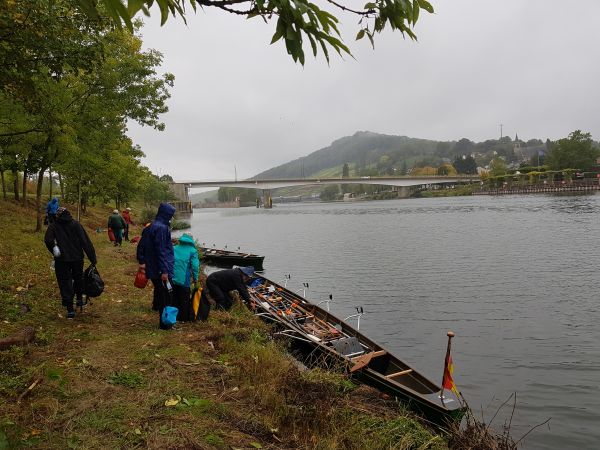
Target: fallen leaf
[(137, 431), (171, 402), (256, 445)]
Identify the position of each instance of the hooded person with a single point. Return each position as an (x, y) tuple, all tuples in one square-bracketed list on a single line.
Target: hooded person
[(219, 284), (117, 225), (51, 208), (186, 269), (156, 257), (67, 240)]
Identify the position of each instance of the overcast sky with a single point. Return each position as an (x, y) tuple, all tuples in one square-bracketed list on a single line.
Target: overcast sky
[(238, 101)]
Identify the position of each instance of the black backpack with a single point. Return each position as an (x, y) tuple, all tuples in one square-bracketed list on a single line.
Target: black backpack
[(92, 283)]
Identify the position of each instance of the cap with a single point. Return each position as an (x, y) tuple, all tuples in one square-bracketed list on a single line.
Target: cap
[(248, 270), (115, 211)]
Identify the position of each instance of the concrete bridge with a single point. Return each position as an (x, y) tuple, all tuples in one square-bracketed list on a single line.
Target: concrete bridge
[(181, 189)]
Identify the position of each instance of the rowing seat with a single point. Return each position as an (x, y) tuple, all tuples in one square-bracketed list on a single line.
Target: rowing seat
[(397, 374)]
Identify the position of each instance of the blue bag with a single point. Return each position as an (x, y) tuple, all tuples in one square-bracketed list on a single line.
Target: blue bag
[(169, 316)]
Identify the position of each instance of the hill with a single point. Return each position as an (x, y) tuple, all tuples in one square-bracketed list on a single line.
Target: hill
[(364, 149), (368, 153)]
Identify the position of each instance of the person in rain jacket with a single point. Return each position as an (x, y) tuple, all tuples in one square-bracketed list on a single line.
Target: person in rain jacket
[(220, 283), (127, 218), (117, 225), (51, 209), (155, 256), (186, 268), (72, 241)]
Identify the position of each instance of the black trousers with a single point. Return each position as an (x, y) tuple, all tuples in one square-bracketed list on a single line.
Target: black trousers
[(183, 302), (161, 297), (126, 232), (221, 298), (70, 281)]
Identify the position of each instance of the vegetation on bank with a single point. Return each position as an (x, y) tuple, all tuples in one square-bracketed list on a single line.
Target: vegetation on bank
[(110, 379)]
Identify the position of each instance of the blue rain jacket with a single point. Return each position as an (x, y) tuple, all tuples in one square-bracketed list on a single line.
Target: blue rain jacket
[(186, 261), (52, 206), (155, 248)]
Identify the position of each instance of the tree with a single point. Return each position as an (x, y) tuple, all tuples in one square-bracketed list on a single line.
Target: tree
[(346, 171), (68, 85), (465, 164), (497, 167), (463, 146), (575, 152), (330, 192), (296, 20)]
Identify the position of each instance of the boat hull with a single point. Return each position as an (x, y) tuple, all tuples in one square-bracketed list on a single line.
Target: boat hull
[(324, 339), (225, 259)]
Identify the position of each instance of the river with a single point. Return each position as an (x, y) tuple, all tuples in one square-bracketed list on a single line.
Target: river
[(514, 277)]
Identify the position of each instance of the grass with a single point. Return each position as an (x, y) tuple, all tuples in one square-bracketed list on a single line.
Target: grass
[(111, 379)]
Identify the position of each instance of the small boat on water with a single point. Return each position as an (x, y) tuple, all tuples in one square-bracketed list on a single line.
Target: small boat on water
[(225, 258), (322, 337)]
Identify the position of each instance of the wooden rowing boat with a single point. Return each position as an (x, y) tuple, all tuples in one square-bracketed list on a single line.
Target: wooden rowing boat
[(325, 338), (225, 258)]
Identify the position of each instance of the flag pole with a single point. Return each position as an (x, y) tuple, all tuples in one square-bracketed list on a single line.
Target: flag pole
[(450, 335)]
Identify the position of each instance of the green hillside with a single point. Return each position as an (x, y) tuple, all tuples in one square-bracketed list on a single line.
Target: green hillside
[(361, 151), (368, 153)]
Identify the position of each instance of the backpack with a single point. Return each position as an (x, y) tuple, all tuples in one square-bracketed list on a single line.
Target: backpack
[(92, 283)]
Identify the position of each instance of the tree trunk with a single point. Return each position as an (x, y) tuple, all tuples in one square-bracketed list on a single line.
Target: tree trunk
[(3, 184), (62, 187), (24, 190), (50, 180), (78, 200), (38, 199), (16, 184)]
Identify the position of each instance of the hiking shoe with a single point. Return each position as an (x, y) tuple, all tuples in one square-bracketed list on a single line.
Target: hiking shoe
[(70, 314)]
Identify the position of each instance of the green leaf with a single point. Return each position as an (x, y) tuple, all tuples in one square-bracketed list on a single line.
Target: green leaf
[(426, 6), (370, 6), (256, 445), (360, 35), (416, 10)]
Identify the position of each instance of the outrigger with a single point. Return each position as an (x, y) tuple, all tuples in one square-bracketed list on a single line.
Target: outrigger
[(321, 335)]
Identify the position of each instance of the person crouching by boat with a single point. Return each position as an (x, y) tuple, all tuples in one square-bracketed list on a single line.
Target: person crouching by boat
[(186, 268), (220, 283), (67, 240), (117, 225), (156, 257)]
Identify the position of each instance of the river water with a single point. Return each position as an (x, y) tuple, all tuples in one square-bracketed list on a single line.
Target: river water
[(514, 277)]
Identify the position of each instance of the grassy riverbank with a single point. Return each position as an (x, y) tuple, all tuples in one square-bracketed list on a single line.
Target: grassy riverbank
[(110, 379)]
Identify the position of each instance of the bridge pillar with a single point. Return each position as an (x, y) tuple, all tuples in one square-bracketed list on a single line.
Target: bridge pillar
[(404, 191), (267, 199)]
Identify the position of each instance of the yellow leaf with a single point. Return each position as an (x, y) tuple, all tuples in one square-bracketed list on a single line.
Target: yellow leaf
[(171, 402)]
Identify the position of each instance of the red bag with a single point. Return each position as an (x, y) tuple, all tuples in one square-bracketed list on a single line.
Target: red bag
[(140, 279), (111, 235)]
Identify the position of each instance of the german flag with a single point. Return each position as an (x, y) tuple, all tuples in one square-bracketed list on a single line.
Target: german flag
[(448, 382)]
